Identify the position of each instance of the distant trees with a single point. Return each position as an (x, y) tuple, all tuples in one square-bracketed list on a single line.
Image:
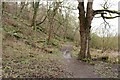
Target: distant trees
[(107, 37), (22, 7), (104, 43), (95, 41)]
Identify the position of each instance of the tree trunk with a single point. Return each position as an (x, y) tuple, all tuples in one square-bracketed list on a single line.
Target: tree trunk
[(34, 21), (22, 7), (84, 50), (88, 42), (35, 6), (16, 8), (85, 26), (50, 31), (3, 6), (52, 23)]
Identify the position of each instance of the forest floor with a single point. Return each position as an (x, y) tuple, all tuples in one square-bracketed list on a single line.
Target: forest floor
[(81, 69), (27, 54)]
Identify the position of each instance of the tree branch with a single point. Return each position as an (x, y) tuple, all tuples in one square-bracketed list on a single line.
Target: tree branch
[(106, 22), (61, 23), (105, 17), (105, 10), (41, 21)]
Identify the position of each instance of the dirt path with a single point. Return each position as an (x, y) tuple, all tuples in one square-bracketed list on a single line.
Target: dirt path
[(79, 69)]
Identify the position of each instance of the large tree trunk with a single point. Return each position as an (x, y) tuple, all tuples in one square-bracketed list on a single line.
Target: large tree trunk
[(85, 38), (85, 26)]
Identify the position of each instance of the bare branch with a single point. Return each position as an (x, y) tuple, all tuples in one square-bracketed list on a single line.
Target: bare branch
[(105, 10), (69, 7), (105, 17), (98, 17), (106, 22), (106, 4), (42, 21)]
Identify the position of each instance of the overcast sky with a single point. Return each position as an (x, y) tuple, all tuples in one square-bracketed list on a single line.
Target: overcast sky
[(113, 22)]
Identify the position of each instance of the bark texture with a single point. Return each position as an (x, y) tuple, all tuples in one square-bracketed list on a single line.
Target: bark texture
[(85, 26)]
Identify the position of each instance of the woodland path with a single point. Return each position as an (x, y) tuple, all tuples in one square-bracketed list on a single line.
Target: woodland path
[(77, 68)]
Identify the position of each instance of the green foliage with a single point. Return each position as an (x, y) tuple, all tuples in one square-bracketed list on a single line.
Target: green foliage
[(1, 29), (7, 68), (86, 60), (25, 62), (17, 35), (108, 67), (92, 63), (70, 38), (79, 55), (95, 41), (75, 53), (15, 17), (45, 40), (57, 37), (117, 60), (56, 42), (32, 27)]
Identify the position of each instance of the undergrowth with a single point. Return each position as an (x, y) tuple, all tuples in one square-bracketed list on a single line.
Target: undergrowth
[(27, 54)]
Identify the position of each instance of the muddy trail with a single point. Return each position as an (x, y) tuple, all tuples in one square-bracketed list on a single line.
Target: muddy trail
[(77, 68)]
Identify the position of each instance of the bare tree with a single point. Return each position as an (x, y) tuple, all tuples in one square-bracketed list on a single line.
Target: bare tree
[(52, 21), (85, 19)]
